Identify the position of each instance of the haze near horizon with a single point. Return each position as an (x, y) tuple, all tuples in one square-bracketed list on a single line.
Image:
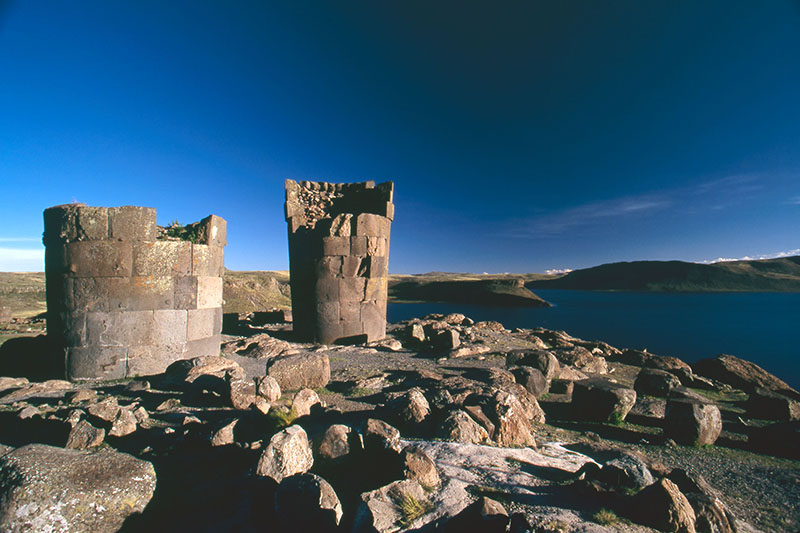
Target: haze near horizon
[(521, 137)]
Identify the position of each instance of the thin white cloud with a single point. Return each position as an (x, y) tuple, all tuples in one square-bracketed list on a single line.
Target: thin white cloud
[(794, 201), (776, 255), (21, 260), (558, 271), (20, 239)]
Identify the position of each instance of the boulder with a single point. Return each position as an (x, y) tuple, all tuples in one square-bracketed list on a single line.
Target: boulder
[(768, 405), (530, 405), (446, 340), (711, 514), (663, 506), (43, 488), (334, 443), (415, 334), (8, 383), (511, 419), (304, 401), (419, 467), (484, 515), (458, 426), (189, 370), (241, 392), (124, 423), (82, 395), (532, 379), (742, 374), (261, 346), (655, 382), (380, 436), (391, 508), (781, 439), (582, 359), (411, 407), (692, 423), (106, 410), (267, 387), (84, 436), (600, 400), (477, 414), (293, 372), (223, 435), (542, 360), (306, 502), (287, 453)]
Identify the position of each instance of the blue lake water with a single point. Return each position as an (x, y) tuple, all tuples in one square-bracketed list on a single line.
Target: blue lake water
[(760, 327)]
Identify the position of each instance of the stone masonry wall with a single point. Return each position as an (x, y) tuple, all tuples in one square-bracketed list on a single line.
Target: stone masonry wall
[(339, 258), (122, 303)]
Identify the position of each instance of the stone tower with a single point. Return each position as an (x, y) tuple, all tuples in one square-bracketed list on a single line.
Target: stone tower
[(123, 301), (338, 259)]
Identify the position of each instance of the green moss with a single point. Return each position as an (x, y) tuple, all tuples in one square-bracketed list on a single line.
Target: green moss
[(282, 416)]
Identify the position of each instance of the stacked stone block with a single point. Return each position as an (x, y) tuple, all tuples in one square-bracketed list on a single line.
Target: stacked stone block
[(339, 258), (121, 302)]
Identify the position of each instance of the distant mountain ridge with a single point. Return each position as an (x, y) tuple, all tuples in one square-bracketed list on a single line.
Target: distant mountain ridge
[(768, 275)]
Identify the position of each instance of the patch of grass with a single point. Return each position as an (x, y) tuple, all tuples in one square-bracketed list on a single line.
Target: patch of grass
[(606, 517), (324, 390), (185, 233), (616, 419), (513, 463), (358, 392), (412, 508), (716, 396)]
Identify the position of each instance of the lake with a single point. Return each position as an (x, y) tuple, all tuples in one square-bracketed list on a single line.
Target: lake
[(759, 327)]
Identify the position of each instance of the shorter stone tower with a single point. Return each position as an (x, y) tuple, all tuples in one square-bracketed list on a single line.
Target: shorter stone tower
[(339, 258), (123, 300)]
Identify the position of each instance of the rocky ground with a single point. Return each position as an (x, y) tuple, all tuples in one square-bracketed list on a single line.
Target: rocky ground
[(445, 425)]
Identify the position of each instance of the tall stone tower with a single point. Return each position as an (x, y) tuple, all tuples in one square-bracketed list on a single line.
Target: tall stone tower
[(338, 259), (121, 301)]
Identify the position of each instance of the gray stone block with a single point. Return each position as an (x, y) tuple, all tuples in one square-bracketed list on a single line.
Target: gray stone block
[(350, 266), (162, 258), (358, 245), (335, 245), (376, 246), (327, 289), (59, 224), (209, 292), (327, 312), (150, 360), (170, 326), (144, 293), (96, 362), (208, 260), (213, 231), (351, 289), (203, 323), (371, 225), (132, 223), (350, 313), (185, 295), (330, 266), (379, 266), (119, 328), (207, 346), (328, 333), (99, 259), (91, 223), (376, 288)]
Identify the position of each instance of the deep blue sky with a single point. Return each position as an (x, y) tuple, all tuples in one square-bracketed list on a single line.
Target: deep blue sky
[(520, 136)]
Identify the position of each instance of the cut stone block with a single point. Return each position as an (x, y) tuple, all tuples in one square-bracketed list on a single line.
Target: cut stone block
[(96, 362), (207, 260), (132, 223), (335, 245), (203, 323), (100, 259), (91, 223), (124, 328), (162, 258), (170, 326), (213, 231), (150, 360), (209, 292)]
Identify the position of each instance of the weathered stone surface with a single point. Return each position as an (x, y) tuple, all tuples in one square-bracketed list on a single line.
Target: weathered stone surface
[(511, 420), (655, 382), (601, 400), (306, 502), (189, 370), (132, 223), (334, 443), (532, 379), (768, 405), (542, 360), (43, 488), (692, 423), (485, 515), (742, 374), (7, 383), (287, 453), (458, 426), (292, 372), (581, 358), (378, 435), (261, 346), (241, 392), (664, 507), (84, 435), (28, 411), (224, 434), (419, 467), (304, 401), (415, 334), (781, 439), (107, 409), (411, 407), (82, 395), (381, 509), (124, 423), (267, 387)]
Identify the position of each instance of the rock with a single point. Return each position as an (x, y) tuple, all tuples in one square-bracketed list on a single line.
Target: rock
[(411, 407), (634, 357), (711, 514), (415, 334), (532, 379), (304, 401), (600, 400), (44, 488), (460, 427), (456, 319), (293, 372), (241, 392), (768, 405), (567, 373), (468, 351), (628, 471), (334, 444), (655, 382), (138, 385), (419, 467), (742, 374), (477, 414), (287, 453), (141, 414), (84, 435), (562, 386), (224, 434), (446, 340), (484, 515), (306, 502), (53, 388), (7, 383), (781, 439), (82, 395), (490, 325), (123, 424), (107, 409), (28, 412), (189, 370), (582, 359), (530, 405), (664, 507), (542, 360), (170, 404), (267, 387), (379, 436), (692, 423), (388, 344), (381, 510), (261, 346), (512, 423)]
